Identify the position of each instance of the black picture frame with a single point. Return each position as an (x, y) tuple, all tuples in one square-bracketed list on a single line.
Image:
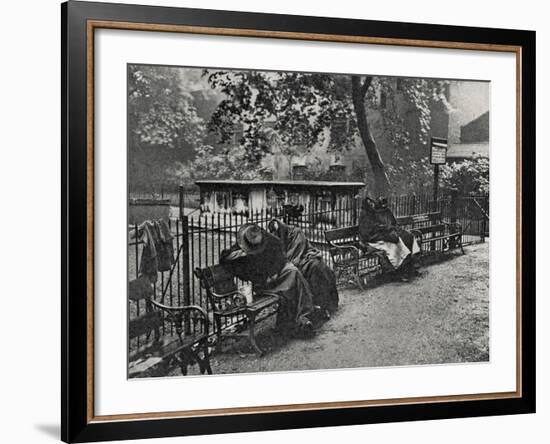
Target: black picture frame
[(77, 424)]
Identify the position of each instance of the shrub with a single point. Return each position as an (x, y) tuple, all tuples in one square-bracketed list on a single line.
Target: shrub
[(468, 177)]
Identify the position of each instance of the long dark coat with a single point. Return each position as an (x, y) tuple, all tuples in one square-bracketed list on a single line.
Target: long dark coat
[(309, 261), (269, 270), (379, 224)]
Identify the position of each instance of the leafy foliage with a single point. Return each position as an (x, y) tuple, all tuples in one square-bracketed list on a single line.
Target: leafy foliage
[(210, 163), (302, 109), (161, 113), (469, 177), (316, 171), (296, 106), (406, 114), (255, 113)]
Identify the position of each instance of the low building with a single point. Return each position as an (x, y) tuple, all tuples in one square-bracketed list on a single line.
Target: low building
[(476, 131), (474, 140), (242, 196)]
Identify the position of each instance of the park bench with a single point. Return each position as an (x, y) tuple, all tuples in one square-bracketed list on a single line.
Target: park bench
[(165, 335), (229, 304), (436, 236), (350, 261), (353, 262)]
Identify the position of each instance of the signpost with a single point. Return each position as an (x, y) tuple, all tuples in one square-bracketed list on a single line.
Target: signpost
[(438, 156)]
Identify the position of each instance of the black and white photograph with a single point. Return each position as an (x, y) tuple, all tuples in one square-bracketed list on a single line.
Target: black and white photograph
[(291, 221), (242, 222)]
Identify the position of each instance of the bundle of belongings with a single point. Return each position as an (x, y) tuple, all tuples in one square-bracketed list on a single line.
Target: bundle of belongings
[(157, 254), (378, 230), (259, 257)]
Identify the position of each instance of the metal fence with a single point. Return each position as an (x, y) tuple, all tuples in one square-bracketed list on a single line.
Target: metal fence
[(473, 214), (200, 239)]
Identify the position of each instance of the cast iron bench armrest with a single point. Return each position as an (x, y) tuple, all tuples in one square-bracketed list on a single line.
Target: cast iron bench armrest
[(185, 347), (227, 295), (169, 308), (176, 315)]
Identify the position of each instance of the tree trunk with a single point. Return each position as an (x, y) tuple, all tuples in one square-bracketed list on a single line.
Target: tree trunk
[(358, 93)]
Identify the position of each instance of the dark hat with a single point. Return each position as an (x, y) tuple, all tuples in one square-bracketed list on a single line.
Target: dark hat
[(250, 238), (274, 226), (382, 202)]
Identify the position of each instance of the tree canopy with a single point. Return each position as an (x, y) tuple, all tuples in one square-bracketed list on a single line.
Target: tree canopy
[(305, 108), (228, 130), (161, 112)]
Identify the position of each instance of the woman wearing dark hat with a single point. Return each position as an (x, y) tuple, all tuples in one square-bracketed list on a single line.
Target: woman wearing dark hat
[(258, 257), (309, 261)]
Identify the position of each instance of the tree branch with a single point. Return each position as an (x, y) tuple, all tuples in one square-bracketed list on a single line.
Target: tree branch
[(365, 86)]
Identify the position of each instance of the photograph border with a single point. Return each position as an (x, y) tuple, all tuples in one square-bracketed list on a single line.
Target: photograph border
[(79, 22)]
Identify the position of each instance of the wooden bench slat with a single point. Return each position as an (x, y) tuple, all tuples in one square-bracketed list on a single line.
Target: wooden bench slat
[(262, 303), (404, 220), (433, 239), (431, 228), (434, 217), (342, 233)]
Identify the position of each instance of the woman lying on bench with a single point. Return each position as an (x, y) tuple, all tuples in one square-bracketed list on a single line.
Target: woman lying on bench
[(258, 257), (378, 230)]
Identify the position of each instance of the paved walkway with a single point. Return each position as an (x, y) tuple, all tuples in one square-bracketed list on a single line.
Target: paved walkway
[(442, 316)]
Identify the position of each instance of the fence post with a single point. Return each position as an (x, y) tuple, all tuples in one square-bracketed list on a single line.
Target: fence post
[(454, 205), (184, 258), (484, 225), (185, 269), (181, 201)]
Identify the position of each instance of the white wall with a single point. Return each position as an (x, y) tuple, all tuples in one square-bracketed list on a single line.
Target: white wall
[(30, 256)]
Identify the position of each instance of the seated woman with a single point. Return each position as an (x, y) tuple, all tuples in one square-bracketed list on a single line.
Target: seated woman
[(309, 261), (378, 229), (258, 257)]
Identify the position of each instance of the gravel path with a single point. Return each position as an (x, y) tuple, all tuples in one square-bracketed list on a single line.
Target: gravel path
[(442, 316)]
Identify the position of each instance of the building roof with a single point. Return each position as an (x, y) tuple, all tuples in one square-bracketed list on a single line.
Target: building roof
[(287, 183), (468, 150)]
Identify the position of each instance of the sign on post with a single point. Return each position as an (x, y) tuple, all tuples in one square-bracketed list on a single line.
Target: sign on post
[(438, 151), (438, 156)]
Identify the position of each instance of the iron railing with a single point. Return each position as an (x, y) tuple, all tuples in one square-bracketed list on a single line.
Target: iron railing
[(199, 239)]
